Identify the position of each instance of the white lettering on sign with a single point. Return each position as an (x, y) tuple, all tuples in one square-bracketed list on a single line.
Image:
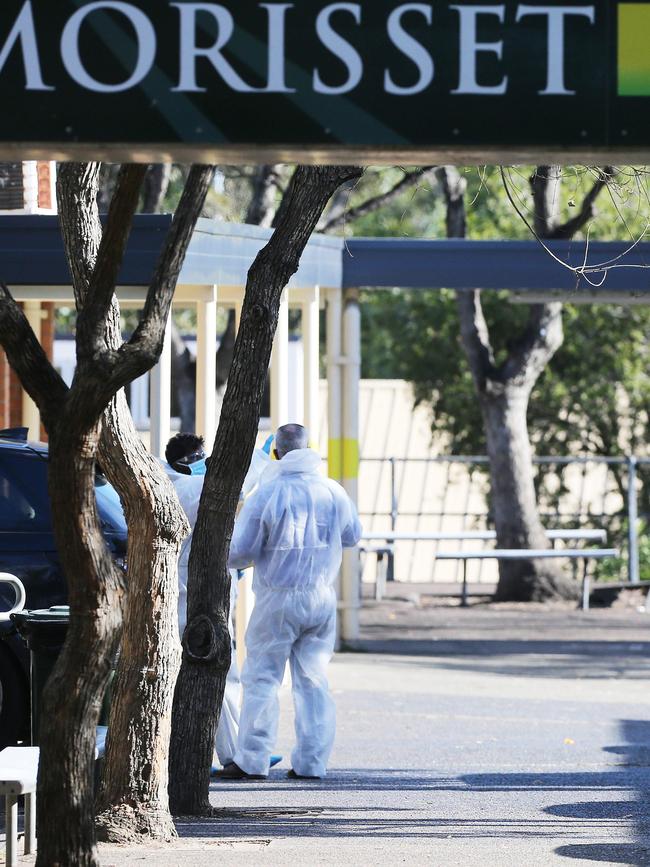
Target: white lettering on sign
[(340, 47), (555, 43), (25, 31), (469, 48), (146, 38), (409, 68), (189, 51), (411, 48), (277, 19)]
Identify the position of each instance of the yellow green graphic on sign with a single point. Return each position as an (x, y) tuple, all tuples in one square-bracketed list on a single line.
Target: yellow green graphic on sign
[(634, 49)]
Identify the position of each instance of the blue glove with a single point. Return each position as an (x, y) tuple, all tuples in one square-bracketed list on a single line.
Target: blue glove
[(267, 445)]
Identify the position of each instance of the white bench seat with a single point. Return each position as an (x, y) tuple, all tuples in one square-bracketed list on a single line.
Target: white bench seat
[(18, 770)]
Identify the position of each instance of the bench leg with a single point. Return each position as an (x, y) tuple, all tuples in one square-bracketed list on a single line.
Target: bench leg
[(380, 579), (585, 588), (30, 822), (463, 593), (11, 829)]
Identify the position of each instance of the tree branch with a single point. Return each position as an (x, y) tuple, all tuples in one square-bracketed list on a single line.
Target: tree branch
[(143, 349), (77, 188), (261, 207), (475, 337), (27, 357), (545, 188), (540, 340), (453, 188), (587, 209), (91, 321), (376, 202), (474, 332)]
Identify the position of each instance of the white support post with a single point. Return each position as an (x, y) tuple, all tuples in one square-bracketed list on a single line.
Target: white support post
[(310, 329), (31, 418), (334, 422), (350, 573), (30, 823), (334, 418), (160, 412), (11, 829), (206, 369), (280, 367)]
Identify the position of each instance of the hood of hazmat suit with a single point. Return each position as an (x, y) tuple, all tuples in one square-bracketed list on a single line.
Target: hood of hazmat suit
[(293, 528)]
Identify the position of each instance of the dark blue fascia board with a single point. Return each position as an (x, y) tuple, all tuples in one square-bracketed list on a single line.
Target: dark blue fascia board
[(31, 250), (466, 264), (31, 253)]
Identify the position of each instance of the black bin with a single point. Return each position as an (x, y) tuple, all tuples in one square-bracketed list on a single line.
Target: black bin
[(44, 631)]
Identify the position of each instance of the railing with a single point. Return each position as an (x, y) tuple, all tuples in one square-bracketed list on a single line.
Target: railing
[(616, 501)]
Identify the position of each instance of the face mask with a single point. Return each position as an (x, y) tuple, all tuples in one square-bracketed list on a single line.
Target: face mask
[(198, 468)]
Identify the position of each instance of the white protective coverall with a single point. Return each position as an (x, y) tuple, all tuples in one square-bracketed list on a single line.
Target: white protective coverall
[(293, 528), (188, 489)]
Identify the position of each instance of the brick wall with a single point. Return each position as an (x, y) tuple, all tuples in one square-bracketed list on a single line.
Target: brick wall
[(44, 170)]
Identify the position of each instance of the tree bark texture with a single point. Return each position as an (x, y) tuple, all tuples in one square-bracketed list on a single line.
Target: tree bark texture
[(206, 643), (96, 586), (133, 801), (73, 695)]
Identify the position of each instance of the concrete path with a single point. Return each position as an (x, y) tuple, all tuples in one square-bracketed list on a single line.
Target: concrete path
[(492, 736)]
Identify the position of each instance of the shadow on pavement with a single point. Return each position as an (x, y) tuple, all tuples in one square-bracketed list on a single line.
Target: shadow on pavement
[(619, 853), (618, 813), (545, 659), (636, 734)]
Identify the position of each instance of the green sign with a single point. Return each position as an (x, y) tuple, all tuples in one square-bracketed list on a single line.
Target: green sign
[(316, 77)]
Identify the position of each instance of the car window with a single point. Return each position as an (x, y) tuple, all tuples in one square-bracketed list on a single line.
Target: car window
[(24, 501), (109, 506)]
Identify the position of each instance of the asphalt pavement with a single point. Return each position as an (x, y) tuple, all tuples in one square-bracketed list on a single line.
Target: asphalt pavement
[(497, 735)]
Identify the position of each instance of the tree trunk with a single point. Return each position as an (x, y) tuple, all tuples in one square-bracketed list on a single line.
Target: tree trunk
[(206, 643), (514, 504), (154, 189), (73, 696), (503, 392), (133, 802)]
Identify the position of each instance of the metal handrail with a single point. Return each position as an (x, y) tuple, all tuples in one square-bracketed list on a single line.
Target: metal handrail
[(19, 590)]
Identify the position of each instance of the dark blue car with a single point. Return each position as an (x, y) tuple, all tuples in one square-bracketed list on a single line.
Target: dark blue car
[(27, 550)]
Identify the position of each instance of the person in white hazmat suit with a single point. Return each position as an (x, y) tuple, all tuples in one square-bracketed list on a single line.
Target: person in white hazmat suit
[(186, 466), (293, 529)]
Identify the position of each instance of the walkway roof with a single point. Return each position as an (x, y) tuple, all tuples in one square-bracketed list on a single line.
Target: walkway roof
[(31, 255)]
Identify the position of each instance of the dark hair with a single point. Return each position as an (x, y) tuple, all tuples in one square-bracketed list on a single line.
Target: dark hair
[(181, 445), (290, 437)]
